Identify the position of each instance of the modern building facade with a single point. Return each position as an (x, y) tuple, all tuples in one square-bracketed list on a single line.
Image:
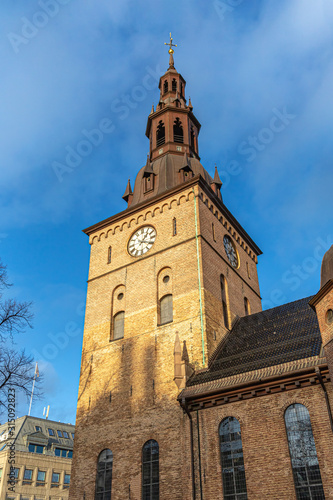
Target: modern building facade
[(188, 390), (35, 459)]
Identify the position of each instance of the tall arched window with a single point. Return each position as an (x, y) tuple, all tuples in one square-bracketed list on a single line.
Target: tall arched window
[(174, 85), (178, 133), (104, 476), (224, 298), (165, 86), (166, 309), (232, 461), (247, 307), (160, 134), (118, 325), (150, 471), (303, 454)]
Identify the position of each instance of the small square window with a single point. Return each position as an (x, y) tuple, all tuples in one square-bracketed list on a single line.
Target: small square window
[(66, 435), (67, 479), (55, 477), (38, 428), (16, 472), (51, 432), (27, 475), (59, 434), (41, 476)]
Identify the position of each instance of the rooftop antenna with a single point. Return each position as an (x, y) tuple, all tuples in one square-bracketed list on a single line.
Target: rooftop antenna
[(36, 374), (47, 413)]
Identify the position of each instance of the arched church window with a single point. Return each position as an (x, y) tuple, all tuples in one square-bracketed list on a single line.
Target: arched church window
[(192, 138), (118, 325), (232, 460), (160, 134), (225, 301), (150, 471), (104, 476), (303, 454), (174, 85), (178, 133), (247, 307), (165, 86), (166, 309)]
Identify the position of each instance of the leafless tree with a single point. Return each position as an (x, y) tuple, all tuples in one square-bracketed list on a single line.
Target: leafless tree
[(16, 368)]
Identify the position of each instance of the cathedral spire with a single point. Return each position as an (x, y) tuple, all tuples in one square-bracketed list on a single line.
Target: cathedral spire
[(171, 52), (128, 195)]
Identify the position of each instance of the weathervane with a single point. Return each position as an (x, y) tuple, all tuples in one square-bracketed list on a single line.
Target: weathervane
[(171, 51)]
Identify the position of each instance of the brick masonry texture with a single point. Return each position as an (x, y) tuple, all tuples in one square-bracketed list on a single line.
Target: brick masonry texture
[(127, 394)]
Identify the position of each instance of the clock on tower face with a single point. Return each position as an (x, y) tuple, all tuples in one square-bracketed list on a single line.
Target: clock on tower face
[(231, 251), (141, 241)]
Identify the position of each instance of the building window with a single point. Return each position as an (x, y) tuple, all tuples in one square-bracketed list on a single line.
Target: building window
[(174, 226), (303, 454), (27, 476), (148, 183), (192, 139), (247, 306), (178, 133), (59, 434), (104, 475), (66, 436), (36, 448), (225, 301), (109, 255), (55, 480), (38, 429), (60, 452), (67, 480), (41, 478), (51, 432), (165, 86), (73, 434), (150, 471), (166, 309), (232, 461), (174, 85), (118, 325), (160, 134)]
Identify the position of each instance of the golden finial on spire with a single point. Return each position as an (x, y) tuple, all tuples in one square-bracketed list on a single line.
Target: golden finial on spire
[(171, 51)]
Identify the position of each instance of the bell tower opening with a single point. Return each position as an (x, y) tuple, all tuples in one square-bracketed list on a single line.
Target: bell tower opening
[(178, 132), (160, 134)]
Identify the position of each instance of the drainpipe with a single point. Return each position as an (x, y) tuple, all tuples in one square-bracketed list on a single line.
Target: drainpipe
[(199, 452), (199, 280), (320, 378), (183, 405)]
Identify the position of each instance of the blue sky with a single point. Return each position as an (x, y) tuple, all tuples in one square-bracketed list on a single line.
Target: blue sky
[(260, 76)]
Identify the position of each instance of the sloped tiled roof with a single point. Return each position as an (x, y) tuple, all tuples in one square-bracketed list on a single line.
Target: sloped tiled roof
[(272, 337)]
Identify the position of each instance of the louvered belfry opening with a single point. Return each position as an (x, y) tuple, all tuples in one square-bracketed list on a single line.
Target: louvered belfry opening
[(178, 132), (160, 134)]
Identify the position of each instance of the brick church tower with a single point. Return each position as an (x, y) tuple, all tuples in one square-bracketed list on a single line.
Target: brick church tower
[(169, 276)]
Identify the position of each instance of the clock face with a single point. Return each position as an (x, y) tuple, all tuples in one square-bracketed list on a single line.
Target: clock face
[(141, 241), (231, 252)]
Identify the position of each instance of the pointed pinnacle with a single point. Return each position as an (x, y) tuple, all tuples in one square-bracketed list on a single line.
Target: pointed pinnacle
[(190, 103), (171, 62), (128, 191), (152, 109), (217, 179)]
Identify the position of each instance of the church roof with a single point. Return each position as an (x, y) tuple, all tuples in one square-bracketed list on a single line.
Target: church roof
[(272, 337), (166, 170)]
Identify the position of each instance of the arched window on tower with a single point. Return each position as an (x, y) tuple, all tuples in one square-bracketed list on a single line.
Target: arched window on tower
[(160, 134), (303, 454), (192, 138), (174, 85), (150, 471), (232, 460), (247, 307), (104, 476), (118, 325), (166, 309), (178, 133), (165, 86), (225, 301)]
